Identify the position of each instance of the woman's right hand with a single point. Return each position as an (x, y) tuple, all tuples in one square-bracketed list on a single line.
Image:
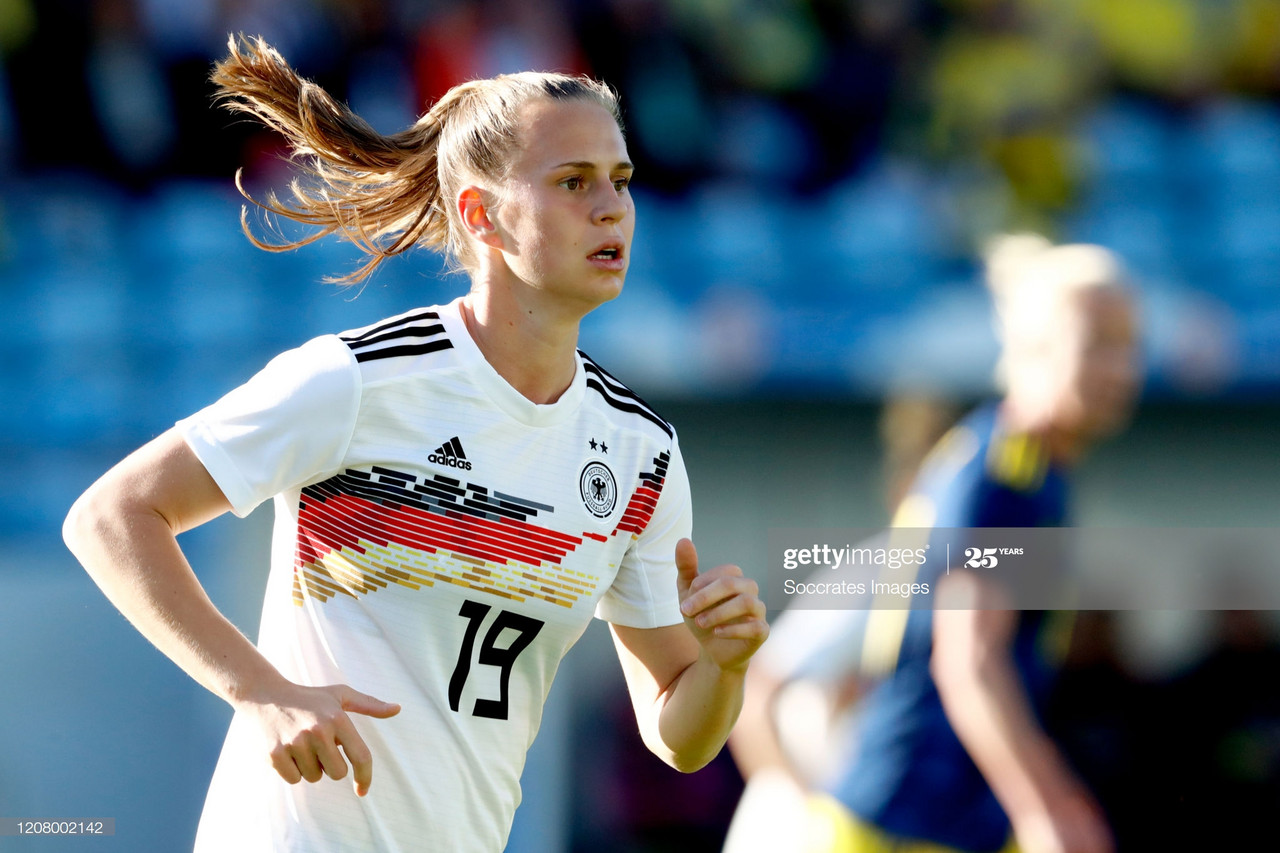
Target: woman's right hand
[(308, 729), (123, 530)]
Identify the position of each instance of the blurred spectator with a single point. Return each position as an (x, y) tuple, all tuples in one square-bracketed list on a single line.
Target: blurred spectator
[(462, 41), (128, 90), (1254, 64), (1007, 82), (52, 59), (633, 44), (1165, 47)]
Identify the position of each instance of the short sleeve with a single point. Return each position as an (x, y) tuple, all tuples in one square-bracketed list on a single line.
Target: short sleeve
[(289, 423), (644, 595)]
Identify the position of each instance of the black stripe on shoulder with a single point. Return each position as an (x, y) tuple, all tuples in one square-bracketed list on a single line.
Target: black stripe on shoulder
[(420, 332), (390, 324), (619, 396), (406, 332), (632, 408), (407, 349)]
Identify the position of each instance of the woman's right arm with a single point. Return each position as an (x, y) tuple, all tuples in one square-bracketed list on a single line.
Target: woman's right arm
[(124, 532), (988, 707)]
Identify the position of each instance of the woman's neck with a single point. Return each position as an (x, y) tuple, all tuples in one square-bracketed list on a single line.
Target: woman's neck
[(526, 342)]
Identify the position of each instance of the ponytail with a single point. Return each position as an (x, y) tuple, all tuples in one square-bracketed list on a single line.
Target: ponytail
[(382, 193), (386, 194)]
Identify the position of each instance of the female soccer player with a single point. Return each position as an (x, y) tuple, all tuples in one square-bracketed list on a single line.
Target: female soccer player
[(457, 490), (948, 751)]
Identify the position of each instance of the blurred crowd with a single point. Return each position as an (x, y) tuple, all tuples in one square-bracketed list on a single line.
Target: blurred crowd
[(796, 94)]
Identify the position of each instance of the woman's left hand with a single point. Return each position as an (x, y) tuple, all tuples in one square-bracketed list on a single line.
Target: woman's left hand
[(722, 608)]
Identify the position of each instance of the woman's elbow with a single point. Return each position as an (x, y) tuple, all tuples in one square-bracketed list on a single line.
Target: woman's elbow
[(686, 759), (89, 520), (80, 522), (690, 762)]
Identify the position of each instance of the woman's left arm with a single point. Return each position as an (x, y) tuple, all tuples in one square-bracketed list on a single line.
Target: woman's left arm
[(686, 681)]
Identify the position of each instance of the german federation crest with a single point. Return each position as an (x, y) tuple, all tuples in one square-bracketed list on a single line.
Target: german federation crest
[(598, 488)]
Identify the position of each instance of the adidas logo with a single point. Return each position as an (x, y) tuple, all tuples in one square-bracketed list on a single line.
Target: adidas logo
[(451, 453)]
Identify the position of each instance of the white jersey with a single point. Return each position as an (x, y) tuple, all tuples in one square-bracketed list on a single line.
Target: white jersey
[(440, 542)]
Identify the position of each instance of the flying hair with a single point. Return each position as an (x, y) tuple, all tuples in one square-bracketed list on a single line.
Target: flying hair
[(384, 193)]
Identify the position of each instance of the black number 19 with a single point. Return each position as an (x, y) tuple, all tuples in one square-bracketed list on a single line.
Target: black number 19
[(490, 654)]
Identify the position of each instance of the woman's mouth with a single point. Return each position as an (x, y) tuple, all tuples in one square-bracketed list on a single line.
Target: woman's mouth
[(608, 257)]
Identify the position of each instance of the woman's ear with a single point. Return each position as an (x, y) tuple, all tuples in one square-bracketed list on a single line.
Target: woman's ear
[(473, 207)]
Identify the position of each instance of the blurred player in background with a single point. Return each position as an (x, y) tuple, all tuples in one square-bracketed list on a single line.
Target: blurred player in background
[(457, 489), (948, 751), (808, 675)]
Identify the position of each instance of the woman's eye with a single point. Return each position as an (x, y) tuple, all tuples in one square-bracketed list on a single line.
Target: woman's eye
[(621, 184), (572, 183)]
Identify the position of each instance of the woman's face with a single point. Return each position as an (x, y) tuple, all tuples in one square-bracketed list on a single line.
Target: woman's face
[(565, 215), (1097, 363)]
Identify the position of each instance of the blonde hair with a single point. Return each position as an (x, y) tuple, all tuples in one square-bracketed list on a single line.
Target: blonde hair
[(1030, 279), (385, 193)]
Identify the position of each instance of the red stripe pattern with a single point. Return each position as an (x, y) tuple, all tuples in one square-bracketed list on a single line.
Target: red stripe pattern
[(361, 531), (639, 511)]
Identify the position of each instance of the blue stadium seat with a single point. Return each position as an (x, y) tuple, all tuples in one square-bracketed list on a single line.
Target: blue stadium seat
[(737, 230), (1229, 153), (1128, 143), (189, 222), (1142, 234)]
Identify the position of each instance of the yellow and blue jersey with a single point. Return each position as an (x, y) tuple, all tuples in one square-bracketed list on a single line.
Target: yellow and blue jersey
[(911, 776)]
